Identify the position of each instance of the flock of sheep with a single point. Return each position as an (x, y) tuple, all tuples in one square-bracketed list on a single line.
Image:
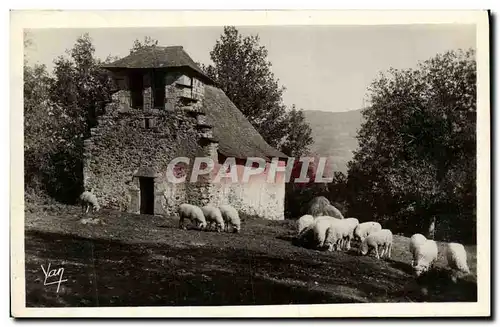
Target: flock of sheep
[(325, 228), (223, 218)]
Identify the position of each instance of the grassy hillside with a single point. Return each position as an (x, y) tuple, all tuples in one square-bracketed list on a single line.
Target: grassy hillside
[(138, 260), (334, 134)]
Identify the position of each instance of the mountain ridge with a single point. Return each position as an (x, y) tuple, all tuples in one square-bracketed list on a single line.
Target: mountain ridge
[(334, 135)]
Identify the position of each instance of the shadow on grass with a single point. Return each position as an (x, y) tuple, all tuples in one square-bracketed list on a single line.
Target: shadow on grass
[(110, 273), (103, 272), (403, 266)]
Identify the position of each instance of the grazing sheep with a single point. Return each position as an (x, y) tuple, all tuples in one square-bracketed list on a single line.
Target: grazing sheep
[(351, 224), (336, 233), (457, 257), (231, 217), (304, 222), (364, 229), (326, 218), (88, 199), (320, 206), (425, 255), (193, 213), (379, 241), (415, 240), (321, 230), (213, 216)]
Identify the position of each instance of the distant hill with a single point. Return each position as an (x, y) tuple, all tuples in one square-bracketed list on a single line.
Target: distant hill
[(334, 135)]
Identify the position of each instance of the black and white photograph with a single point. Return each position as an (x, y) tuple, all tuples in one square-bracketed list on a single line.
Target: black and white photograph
[(245, 164)]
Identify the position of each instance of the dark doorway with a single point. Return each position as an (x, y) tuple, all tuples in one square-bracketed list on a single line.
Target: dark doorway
[(147, 185), (158, 89), (136, 88)]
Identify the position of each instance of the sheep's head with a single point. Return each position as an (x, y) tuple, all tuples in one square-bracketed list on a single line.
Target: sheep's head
[(236, 229), (420, 268), (363, 249), (202, 225), (97, 208)]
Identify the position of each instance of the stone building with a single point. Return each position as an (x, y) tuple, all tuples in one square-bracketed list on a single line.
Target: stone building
[(164, 107)]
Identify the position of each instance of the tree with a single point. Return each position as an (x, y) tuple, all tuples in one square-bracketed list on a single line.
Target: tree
[(148, 42), (60, 111), (38, 125), (297, 137), (242, 71), (417, 154)]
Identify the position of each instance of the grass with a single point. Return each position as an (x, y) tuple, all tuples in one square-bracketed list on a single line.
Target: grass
[(140, 260)]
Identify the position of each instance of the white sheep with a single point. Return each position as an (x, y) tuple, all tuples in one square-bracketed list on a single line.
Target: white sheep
[(425, 256), (193, 213), (304, 222), (457, 257), (231, 217), (415, 240), (88, 199), (320, 228), (379, 241), (315, 234), (213, 216), (326, 218), (336, 233), (351, 224), (364, 229)]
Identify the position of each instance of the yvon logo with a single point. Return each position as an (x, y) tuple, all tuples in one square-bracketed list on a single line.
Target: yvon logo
[(52, 275)]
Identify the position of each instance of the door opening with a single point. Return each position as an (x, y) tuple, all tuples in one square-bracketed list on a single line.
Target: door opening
[(136, 88), (147, 195), (158, 90)]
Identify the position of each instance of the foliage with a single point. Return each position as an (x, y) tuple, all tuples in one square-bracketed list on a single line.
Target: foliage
[(417, 154), (297, 133), (148, 42), (242, 71), (60, 110)]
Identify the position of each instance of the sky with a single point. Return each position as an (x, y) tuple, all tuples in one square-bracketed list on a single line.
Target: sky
[(327, 68)]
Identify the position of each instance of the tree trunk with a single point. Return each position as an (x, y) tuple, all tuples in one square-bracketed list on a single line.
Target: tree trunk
[(431, 231)]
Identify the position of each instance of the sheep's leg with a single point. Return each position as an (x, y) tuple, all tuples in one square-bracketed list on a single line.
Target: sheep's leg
[(87, 206), (340, 244), (390, 250), (376, 252)]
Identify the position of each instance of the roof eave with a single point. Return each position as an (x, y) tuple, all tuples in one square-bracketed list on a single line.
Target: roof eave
[(198, 74)]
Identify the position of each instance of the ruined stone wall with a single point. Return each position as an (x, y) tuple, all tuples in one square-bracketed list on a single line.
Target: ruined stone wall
[(122, 149), (121, 98), (131, 143)]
